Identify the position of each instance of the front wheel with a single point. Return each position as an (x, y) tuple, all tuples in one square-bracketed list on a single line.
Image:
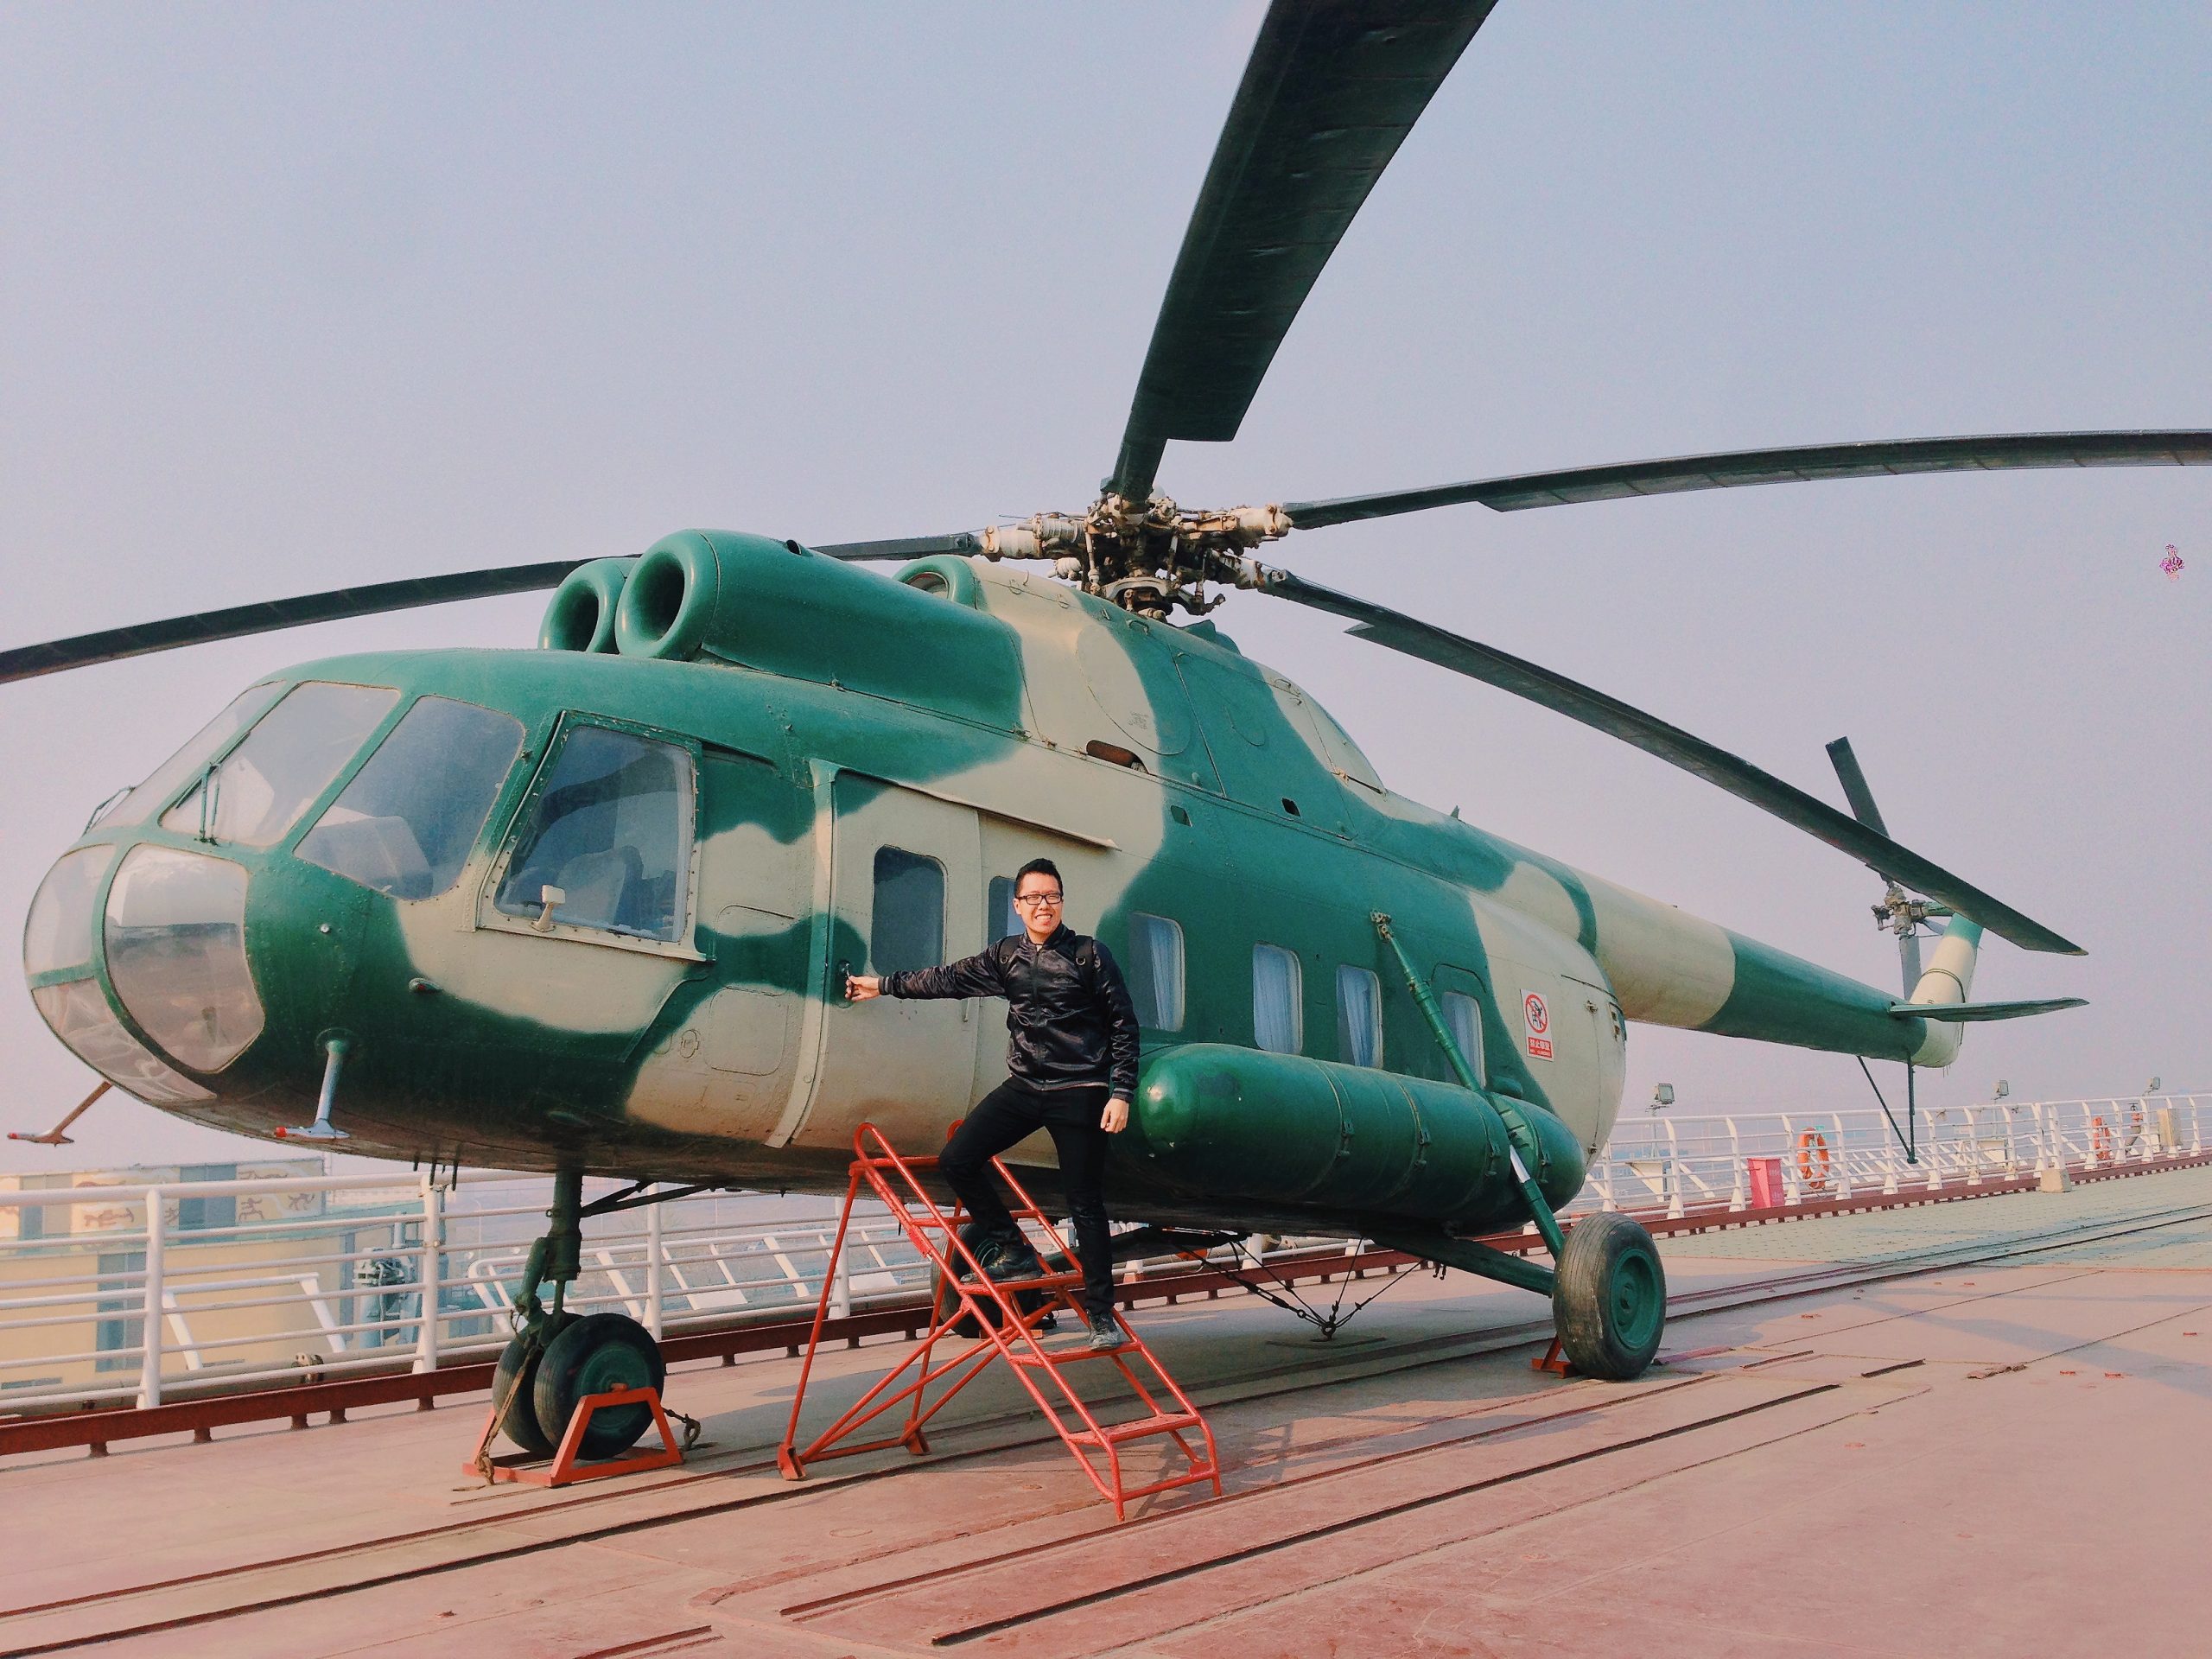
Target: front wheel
[(598, 1353), (1608, 1300)]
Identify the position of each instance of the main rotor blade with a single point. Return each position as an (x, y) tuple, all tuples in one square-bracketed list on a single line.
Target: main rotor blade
[(1854, 786), (1731, 469), (113, 644), (1331, 91), (1670, 743), (905, 547)]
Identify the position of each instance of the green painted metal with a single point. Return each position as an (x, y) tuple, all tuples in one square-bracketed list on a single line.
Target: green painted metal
[(1525, 1147)]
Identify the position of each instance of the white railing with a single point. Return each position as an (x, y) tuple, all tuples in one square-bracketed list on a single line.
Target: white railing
[(1677, 1166), (370, 1270)]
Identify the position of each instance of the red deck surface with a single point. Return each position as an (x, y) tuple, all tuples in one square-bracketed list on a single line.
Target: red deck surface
[(1981, 1457)]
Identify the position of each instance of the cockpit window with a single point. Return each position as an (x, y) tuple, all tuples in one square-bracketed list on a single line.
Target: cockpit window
[(406, 823), (173, 773), (611, 835), (291, 756)]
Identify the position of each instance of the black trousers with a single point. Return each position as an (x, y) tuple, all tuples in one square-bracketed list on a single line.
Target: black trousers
[(1012, 1112)]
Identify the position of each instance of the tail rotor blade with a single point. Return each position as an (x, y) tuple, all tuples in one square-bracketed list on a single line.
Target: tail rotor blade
[(1854, 786)]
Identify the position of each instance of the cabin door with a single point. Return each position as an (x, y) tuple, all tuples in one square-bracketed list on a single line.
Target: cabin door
[(906, 891)]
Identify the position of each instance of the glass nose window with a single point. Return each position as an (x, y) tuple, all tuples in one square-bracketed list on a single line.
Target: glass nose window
[(173, 773), (611, 833), (405, 824), (176, 954), (79, 1016), (288, 759), (59, 933)]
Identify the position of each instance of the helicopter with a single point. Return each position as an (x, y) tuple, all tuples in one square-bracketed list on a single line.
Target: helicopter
[(588, 909)]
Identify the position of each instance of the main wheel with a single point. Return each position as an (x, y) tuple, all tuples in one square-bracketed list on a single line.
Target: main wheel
[(1608, 1300), (514, 1381), (598, 1353)]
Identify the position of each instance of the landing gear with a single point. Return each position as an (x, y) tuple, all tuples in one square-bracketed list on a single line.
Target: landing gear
[(514, 1385), (1609, 1298), (590, 1356), (556, 1357)]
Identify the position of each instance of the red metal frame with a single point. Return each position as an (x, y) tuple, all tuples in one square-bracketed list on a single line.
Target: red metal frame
[(1007, 1333), (565, 1469)]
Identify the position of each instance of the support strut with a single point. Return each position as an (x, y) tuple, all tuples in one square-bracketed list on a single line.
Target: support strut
[(1520, 1144)]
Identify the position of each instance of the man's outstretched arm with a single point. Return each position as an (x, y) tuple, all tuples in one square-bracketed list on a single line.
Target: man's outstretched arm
[(975, 975)]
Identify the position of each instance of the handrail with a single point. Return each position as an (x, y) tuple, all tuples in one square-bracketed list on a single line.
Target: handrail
[(345, 1287)]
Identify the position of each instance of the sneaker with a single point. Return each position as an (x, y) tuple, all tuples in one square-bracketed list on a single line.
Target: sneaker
[(1106, 1333)]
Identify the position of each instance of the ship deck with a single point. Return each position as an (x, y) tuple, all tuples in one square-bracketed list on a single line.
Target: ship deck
[(1966, 1428)]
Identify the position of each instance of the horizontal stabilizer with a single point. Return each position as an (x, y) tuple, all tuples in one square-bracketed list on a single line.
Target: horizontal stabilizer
[(1958, 1011)]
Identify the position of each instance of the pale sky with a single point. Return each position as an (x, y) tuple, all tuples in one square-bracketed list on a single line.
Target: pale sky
[(297, 296)]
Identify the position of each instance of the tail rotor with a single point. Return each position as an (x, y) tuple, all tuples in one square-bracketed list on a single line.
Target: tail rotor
[(1899, 913)]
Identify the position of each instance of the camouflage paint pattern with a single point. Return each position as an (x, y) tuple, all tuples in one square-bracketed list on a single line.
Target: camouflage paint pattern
[(977, 716)]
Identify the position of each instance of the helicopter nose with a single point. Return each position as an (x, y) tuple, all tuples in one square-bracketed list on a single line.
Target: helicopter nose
[(172, 938)]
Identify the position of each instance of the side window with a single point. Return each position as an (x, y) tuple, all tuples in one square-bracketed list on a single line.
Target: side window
[(999, 920), (611, 835), (1359, 1017), (1463, 1017), (1277, 1024), (906, 929), (1155, 972)]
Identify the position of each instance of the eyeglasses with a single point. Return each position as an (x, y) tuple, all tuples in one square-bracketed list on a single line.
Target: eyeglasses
[(1038, 900)]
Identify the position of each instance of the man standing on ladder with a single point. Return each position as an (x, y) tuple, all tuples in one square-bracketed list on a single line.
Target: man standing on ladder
[(1071, 1060)]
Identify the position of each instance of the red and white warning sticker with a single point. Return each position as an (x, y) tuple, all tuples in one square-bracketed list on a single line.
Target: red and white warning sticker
[(1538, 1018)]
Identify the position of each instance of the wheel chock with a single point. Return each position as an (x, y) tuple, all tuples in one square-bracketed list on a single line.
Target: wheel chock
[(565, 1469)]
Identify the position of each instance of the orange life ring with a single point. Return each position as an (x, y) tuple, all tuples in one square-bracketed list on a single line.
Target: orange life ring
[(2100, 1140), (1813, 1160)]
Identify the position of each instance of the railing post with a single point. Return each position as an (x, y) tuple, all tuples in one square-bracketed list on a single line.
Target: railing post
[(1675, 1182), (652, 1270), (1842, 1159), (1739, 1197), (429, 1275), (149, 1368), (841, 1286)]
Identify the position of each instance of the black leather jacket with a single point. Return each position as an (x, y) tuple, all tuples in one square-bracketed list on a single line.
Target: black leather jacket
[(1069, 1021)]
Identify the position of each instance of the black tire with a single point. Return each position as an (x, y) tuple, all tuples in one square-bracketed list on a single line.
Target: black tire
[(591, 1355), (1609, 1301), (514, 1381)]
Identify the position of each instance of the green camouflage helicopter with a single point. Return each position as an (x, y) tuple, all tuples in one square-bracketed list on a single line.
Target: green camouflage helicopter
[(589, 908)]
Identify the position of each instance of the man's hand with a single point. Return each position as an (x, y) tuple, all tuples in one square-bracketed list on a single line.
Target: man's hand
[(1116, 1117), (859, 987)]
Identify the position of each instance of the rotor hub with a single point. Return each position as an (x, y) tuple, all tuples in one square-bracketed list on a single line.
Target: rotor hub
[(1151, 558)]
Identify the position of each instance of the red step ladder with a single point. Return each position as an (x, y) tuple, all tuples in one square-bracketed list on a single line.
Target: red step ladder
[(1007, 1333)]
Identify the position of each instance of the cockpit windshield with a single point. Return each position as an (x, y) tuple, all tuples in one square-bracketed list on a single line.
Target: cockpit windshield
[(171, 774), (293, 751), (609, 844), (405, 824)]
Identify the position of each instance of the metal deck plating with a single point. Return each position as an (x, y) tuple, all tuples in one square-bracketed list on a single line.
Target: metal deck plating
[(1991, 1393)]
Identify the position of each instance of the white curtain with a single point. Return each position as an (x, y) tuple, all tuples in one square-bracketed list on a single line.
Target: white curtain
[(1156, 972), (1275, 999), (1359, 1017), (1463, 1017)]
